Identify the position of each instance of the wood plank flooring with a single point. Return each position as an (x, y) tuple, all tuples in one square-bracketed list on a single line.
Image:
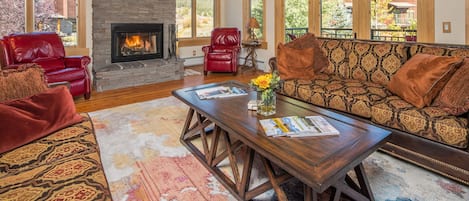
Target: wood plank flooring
[(113, 98)]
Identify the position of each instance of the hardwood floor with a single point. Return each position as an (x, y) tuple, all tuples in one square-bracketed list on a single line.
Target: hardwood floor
[(113, 98)]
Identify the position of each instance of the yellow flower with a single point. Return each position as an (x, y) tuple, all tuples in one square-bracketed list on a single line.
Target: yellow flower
[(263, 81), (266, 81)]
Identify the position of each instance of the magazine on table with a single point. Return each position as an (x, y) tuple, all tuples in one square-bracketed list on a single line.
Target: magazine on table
[(219, 92), (296, 126)]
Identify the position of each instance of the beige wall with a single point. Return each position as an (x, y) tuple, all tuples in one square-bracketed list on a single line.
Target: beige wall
[(452, 11)]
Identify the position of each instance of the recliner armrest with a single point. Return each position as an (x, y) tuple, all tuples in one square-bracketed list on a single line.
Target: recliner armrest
[(77, 61), (207, 49)]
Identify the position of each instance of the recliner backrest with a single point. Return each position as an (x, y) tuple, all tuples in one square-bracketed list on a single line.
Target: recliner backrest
[(29, 47), (225, 37)]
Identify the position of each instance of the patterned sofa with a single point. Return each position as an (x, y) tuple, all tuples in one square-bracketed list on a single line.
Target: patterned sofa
[(354, 84), (62, 165)]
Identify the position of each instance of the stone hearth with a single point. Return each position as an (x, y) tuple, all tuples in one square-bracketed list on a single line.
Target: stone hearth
[(135, 73)]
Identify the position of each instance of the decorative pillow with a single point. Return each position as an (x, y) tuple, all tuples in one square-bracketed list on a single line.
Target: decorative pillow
[(26, 80), (308, 40), (28, 119), (422, 77), (454, 97), (295, 63)]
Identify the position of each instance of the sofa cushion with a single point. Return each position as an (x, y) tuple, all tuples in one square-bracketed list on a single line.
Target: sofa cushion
[(221, 56), (308, 40), (336, 51), (421, 78), (430, 122), (28, 119), (295, 63), (26, 80), (331, 91), (454, 97), (39, 162), (376, 62)]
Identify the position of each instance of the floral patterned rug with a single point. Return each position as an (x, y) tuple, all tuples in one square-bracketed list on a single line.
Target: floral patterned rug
[(143, 160)]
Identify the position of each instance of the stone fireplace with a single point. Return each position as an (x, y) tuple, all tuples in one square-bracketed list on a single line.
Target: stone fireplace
[(145, 58)]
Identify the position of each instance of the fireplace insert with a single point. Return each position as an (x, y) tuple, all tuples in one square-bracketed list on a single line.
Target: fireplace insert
[(134, 41)]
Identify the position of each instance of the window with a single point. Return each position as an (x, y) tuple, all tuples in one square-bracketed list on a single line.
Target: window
[(393, 21), (45, 15), (59, 16), (257, 11), (296, 17), (198, 24), (336, 19), (183, 18), (14, 21)]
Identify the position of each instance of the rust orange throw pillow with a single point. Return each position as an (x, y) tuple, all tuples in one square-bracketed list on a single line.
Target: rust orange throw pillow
[(28, 119), (422, 77), (295, 63), (308, 40), (454, 97)]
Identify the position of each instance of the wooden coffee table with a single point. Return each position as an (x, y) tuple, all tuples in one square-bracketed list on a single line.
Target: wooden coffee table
[(224, 129)]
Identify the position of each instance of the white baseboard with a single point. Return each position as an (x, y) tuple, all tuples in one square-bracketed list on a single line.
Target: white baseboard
[(192, 61)]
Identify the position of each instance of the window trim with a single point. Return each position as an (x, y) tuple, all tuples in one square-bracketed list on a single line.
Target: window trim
[(194, 40), (81, 24)]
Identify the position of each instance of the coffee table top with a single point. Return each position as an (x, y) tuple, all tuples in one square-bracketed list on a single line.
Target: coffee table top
[(316, 161)]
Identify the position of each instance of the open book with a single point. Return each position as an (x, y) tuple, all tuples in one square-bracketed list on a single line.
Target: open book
[(219, 92), (295, 126)]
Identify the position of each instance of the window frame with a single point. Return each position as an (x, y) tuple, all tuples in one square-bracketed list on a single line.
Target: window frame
[(81, 22), (194, 40), (247, 17)]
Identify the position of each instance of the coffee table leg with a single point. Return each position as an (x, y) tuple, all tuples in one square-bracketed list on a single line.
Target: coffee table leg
[(270, 173), (363, 181), (310, 194), (347, 186)]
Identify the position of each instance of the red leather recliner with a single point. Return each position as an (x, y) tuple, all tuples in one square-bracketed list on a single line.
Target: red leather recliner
[(47, 50), (222, 53)]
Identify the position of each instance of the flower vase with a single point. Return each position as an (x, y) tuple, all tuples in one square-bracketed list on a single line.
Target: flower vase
[(266, 102)]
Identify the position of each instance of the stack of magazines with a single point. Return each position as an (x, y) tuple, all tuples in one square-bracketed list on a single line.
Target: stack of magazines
[(219, 92), (295, 126)]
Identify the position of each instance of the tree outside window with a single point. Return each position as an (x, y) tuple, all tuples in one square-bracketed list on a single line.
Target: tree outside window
[(336, 19), (296, 17), (12, 19)]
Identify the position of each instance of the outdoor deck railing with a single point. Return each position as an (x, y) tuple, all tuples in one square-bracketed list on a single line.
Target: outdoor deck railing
[(376, 34)]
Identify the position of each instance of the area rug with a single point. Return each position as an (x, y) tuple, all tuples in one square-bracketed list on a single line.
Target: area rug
[(189, 72), (144, 160)]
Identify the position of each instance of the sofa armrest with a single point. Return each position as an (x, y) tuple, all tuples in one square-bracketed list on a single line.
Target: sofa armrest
[(77, 61), (273, 64)]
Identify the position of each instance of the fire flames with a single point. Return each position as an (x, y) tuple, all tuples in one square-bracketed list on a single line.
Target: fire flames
[(134, 42)]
